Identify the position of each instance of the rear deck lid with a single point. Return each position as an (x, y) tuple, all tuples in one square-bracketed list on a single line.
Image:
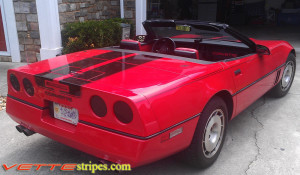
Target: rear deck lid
[(138, 72)]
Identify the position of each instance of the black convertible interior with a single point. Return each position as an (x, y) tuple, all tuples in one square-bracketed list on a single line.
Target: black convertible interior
[(203, 50), (204, 41)]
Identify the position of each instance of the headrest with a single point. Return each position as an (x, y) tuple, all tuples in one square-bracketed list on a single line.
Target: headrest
[(130, 44), (187, 52)]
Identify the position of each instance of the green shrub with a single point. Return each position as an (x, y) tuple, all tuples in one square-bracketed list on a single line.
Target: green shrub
[(80, 36)]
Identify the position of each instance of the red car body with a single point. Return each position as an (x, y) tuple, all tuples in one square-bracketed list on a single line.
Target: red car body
[(166, 93)]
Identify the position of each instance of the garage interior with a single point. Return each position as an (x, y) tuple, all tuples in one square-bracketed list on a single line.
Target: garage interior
[(259, 19)]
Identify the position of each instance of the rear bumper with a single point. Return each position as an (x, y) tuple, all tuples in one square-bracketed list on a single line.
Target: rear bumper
[(99, 142)]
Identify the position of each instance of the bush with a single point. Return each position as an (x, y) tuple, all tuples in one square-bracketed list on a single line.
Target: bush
[(80, 36)]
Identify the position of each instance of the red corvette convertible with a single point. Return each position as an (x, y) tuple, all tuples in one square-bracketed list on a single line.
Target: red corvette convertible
[(145, 100)]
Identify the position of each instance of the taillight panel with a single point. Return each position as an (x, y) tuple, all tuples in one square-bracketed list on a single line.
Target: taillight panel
[(22, 86), (98, 106), (134, 125), (123, 112), (14, 82), (29, 89)]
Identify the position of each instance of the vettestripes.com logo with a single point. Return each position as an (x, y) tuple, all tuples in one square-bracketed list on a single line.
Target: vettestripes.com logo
[(93, 168)]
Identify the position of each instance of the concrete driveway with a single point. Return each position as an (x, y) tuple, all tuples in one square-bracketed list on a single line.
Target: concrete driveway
[(264, 139)]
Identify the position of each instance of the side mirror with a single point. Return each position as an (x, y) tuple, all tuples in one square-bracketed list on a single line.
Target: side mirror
[(262, 50), (140, 38)]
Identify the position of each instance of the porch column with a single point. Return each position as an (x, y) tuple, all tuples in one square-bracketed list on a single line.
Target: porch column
[(140, 16), (49, 26)]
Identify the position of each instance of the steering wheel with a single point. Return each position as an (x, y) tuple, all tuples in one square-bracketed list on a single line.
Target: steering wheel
[(164, 45)]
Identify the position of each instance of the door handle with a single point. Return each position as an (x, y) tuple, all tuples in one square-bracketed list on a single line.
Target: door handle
[(237, 72)]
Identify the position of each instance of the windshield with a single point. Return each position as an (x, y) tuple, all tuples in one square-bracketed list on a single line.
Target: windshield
[(191, 32)]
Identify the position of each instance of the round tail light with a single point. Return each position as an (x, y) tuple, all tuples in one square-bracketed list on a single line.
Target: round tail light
[(14, 82), (123, 112), (98, 106), (28, 87)]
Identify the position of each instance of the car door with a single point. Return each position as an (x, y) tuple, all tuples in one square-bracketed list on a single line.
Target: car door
[(253, 77), (254, 74)]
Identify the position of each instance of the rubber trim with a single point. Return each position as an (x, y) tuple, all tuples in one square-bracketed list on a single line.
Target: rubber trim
[(135, 136), (25, 102), (239, 91)]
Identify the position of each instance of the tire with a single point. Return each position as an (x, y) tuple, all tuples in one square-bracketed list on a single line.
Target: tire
[(286, 81), (201, 154)]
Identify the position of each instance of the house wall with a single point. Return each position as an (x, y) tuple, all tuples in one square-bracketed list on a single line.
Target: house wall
[(69, 11), (82, 10), (28, 30), (5, 58), (129, 10)]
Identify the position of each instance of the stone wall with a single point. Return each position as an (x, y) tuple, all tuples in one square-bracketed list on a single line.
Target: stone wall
[(28, 30), (129, 10), (5, 58), (69, 11), (82, 10)]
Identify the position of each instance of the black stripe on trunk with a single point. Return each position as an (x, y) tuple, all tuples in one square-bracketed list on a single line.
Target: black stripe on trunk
[(108, 69), (75, 68)]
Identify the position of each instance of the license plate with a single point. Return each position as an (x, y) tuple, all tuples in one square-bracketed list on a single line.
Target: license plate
[(65, 113)]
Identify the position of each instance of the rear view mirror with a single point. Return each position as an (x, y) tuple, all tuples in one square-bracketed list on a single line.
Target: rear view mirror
[(262, 50)]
